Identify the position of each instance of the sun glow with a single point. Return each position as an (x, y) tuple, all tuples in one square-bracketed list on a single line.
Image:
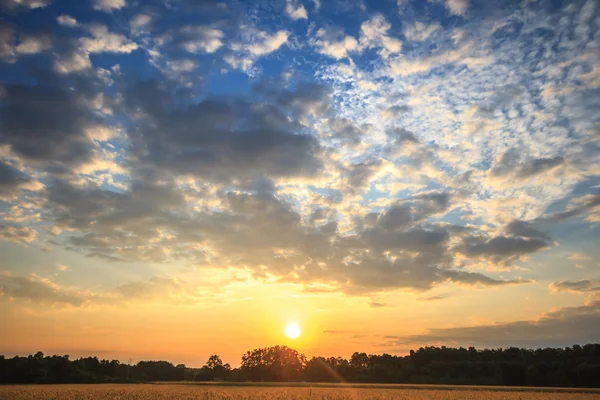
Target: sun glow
[(292, 330)]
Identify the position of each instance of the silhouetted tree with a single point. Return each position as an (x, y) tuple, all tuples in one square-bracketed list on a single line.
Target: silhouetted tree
[(577, 366)]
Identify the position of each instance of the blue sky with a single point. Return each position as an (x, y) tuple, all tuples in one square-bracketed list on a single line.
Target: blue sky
[(187, 155)]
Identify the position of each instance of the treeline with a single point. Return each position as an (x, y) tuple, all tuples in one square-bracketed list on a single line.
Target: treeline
[(577, 366)]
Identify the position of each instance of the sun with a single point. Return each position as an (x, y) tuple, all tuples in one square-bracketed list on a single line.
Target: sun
[(292, 330)]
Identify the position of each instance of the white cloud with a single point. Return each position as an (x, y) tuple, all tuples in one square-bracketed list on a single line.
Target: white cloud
[(457, 7), (108, 5), (295, 11), (334, 44), (33, 44), (265, 44), (104, 41), (66, 20), (420, 31), (139, 21), (183, 65), (579, 257), (202, 39), (374, 33), (75, 61), (61, 267)]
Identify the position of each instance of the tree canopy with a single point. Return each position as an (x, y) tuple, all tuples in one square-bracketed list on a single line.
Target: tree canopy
[(576, 366)]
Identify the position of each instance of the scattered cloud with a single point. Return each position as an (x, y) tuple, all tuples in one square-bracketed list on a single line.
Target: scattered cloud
[(66, 20), (201, 39), (108, 5), (295, 10)]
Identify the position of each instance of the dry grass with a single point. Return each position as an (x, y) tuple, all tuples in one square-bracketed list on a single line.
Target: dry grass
[(191, 392)]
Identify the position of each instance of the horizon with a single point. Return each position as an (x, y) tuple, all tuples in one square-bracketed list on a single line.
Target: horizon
[(180, 178), (132, 361)]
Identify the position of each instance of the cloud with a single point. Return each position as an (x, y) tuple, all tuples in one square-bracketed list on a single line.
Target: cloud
[(579, 257), (581, 286), (67, 21), (104, 41), (33, 44), (12, 181), (374, 33), (265, 44), (72, 62), (375, 304), (558, 328), (209, 139), (182, 65), (108, 5), (431, 298), (333, 43), (7, 43), (311, 172), (295, 10), (40, 290), (502, 250), (57, 136), (201, 39), (61, 267), (37, 290), (463, 53), (420, 31), (31, 4), (139, 21), (457, 7), (587, 204), (509, 166), (17, 234)]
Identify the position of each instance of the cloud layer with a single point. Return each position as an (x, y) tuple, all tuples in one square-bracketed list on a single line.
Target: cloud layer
[(335, 147)]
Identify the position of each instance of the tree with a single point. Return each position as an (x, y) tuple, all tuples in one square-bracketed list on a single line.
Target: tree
[(215, 369), (275, 364)]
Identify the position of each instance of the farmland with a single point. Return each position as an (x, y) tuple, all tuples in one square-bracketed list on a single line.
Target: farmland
[(279, 392)]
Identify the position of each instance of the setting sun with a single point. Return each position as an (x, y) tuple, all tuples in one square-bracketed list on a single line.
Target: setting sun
[(292, 330)]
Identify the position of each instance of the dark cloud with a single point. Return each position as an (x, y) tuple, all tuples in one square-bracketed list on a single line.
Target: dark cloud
[(11, 179), (525, 229), (559, 328), (401, 136), (359, 176), (414, 209), (220, 139), (39, 290), (7, 44), (501, 249), (579, 206), (346, 131), (431, 298), (262, 232), (538, 166), (376, 304), (56, 135), (575, 286), (510, 164)]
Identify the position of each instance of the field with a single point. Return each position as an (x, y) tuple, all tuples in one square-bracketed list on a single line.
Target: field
[(342, 392)]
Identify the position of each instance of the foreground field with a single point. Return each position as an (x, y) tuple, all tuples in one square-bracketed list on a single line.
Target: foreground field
[(204, 392)]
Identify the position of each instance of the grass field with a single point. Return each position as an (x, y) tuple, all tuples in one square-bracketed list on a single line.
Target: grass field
[(218, 392)]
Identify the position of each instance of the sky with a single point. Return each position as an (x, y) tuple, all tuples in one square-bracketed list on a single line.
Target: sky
[(181, 178)]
